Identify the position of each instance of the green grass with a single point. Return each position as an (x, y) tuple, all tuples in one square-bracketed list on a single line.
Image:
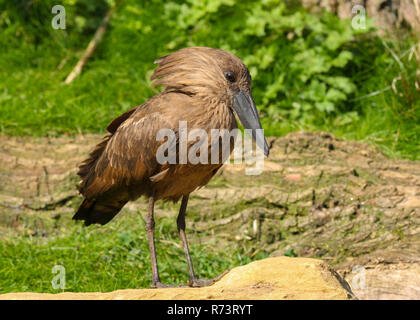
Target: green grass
[(34, 100), (35, 60), (105, 259), (377, 114)]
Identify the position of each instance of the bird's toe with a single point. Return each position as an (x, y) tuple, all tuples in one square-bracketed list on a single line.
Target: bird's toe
[(198, 283), (160, 285)]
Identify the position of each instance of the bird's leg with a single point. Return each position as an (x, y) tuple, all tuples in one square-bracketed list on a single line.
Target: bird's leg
[(181, 229), (193, 282), (150, 229)]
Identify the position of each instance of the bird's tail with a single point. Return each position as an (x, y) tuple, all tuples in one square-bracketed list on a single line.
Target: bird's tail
[(99, 211)]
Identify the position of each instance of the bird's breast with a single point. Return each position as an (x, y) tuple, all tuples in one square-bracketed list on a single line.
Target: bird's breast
[(204, 152)]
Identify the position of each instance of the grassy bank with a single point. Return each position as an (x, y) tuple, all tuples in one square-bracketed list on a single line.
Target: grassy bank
[(340, 83)]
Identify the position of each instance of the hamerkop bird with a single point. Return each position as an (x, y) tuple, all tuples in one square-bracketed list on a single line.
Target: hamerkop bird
[(204, 87)]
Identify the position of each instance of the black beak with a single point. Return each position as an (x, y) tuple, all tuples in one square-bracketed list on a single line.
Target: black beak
[(245, 108)]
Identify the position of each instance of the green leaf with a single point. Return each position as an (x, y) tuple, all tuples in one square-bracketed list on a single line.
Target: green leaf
[(342, 83), (346, 118), (335, 95), (342, 59), (325, 106)]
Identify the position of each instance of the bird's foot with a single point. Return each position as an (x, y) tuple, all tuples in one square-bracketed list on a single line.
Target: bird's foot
[(199, 283), (160, 285)]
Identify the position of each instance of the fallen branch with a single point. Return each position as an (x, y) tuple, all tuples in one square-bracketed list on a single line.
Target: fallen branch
[(99, 34)]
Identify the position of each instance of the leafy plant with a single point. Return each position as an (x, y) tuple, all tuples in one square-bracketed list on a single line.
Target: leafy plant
[(309, 71), (297, 59)]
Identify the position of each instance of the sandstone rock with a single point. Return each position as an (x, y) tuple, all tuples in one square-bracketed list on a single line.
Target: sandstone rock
[(271, 278)]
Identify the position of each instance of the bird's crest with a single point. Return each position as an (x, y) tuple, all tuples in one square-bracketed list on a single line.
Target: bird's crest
[(196, 70)]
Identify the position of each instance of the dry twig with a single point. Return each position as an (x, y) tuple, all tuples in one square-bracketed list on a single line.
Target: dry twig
[(99, 34)]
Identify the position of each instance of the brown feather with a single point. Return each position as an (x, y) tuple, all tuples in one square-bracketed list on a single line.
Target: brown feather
[(113, 126), (123, 166), (87, 165)]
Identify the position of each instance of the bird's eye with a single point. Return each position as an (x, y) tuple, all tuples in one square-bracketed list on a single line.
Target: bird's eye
[(230, 76)]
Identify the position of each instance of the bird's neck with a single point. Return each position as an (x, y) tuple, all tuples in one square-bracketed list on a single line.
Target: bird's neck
[(216, 114)]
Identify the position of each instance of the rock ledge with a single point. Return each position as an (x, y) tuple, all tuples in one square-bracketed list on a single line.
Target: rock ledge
[(271, 278)]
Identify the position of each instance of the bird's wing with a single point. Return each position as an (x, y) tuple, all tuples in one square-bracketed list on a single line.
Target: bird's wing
[(87, 165), (113, 126), (127, 156)]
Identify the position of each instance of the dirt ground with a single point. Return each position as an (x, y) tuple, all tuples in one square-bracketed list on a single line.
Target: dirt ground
[(341, 201)]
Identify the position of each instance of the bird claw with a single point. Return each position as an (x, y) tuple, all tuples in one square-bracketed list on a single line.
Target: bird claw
[(199, 283), (160, 285), (194, 283)]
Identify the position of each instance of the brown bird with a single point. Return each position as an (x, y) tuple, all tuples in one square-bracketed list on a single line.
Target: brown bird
[(204, 87)]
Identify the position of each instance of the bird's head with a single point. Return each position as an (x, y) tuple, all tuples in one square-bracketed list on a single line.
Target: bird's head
[(213, 75)]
